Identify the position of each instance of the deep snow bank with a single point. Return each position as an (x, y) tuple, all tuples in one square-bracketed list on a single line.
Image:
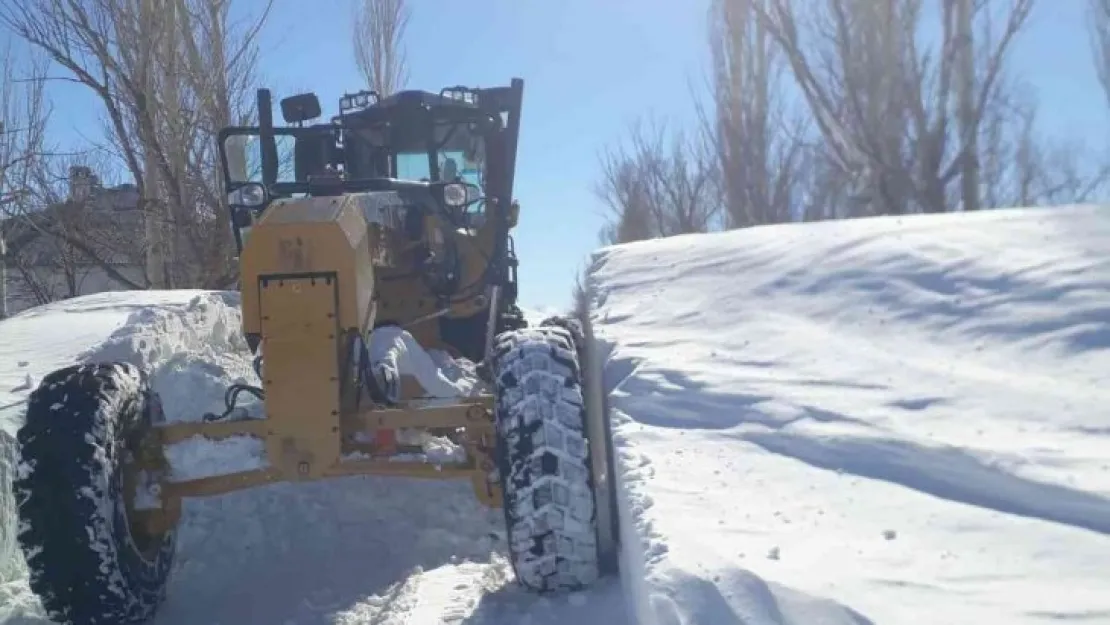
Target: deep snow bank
[(883, 420), (130, 325)]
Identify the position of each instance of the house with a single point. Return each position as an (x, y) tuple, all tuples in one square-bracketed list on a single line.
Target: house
[(78, 246)]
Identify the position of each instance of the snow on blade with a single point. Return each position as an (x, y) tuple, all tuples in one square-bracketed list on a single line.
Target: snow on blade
[(199, 457), (890, 420)]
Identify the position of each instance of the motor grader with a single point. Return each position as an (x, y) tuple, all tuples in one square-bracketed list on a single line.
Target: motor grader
[(392, 219)]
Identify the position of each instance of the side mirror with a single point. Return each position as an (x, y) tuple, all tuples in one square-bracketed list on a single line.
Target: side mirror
[(300, 108)]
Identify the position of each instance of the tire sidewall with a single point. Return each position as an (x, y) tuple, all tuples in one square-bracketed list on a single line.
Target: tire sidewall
[(74, 529)]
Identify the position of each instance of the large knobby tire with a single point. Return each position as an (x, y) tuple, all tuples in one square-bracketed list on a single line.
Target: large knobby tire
[(543, 459), (87, 564)]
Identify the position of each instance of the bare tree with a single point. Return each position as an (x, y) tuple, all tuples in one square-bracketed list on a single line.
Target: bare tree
[(655, 187), (378, 34), (220, 65), (24, 113), (900, 117), (624, 192), (50, 245), (1099, 13), (760, 146), (1022, 168), (167, 73)]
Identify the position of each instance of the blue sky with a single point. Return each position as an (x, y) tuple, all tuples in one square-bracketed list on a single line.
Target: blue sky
[(590, 68)]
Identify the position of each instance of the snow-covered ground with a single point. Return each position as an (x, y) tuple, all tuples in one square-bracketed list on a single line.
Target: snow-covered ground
[(889, 421), (351, 551)]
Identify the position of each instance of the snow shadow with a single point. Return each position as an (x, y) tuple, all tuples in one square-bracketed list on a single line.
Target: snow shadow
[(739, 597), (672, 399), (684, 408), (603, 604), (309, 553), (979, 303), (916, 404), (342, 551), (945, 472)]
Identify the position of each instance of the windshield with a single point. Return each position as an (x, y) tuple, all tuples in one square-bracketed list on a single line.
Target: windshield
[(364, 153), (453, 166)]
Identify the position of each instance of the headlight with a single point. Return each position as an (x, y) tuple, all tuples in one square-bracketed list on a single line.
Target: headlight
[(454, 195), (251, 195)]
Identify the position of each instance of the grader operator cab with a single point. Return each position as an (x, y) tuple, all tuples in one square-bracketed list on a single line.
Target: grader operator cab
[(365, 244)]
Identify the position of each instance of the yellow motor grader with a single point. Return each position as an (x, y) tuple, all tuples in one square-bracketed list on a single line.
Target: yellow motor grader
[(391, 220)]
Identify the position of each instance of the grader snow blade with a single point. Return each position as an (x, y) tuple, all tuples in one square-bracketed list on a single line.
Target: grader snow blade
[(374, 254)]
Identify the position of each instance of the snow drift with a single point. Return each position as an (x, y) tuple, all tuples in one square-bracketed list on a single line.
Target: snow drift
[(887, 420)]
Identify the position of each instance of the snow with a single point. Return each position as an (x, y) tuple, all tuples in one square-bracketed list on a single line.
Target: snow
[(889, 421), (190, 341), (876, 421), (49, 337), (535, 315), (198, 457), (438, 450), (350, 551), (392, 348)]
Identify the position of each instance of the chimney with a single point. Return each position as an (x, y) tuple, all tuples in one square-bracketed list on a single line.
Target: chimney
[(82, 181)]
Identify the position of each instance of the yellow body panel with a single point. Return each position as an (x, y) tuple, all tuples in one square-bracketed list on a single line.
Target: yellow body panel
[(301, 375), (316, 235)]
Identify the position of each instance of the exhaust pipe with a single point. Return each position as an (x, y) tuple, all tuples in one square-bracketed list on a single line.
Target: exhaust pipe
[(266, 138)]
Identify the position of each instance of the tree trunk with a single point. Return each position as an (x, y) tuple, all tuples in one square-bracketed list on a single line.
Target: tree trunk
[(152, 205), (171, 262), (3, 277), (966, 108)]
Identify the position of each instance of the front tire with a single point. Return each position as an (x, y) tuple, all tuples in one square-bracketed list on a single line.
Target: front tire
[(544, 460), (87, 561)]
